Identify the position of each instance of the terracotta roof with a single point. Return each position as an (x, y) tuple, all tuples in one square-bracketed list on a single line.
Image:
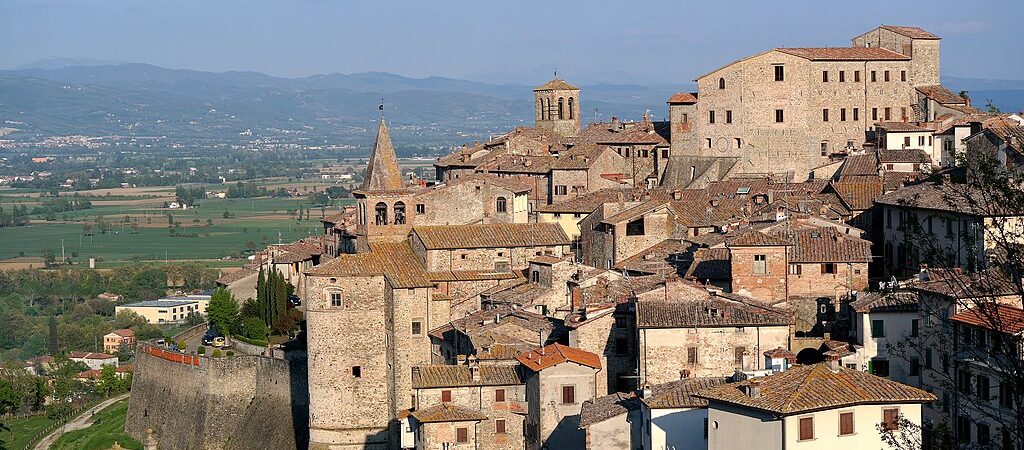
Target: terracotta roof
[(683, 97), (940, 94), (492, 235), (382, 172), (939, 196), (993, 316), (498, 318), (845, 54), (607, 407), (710, 264), (578, 158), (556, 84), (858, 196), (521, 164), (910, 32), (816, 387), (234, 276), (589, 202), (710, 312), (665, 257), (447, 412), (295, 252), (860, 165), (895, 301), (515, 184), (904, 127), (955, 283), (757, 239), (546, 260), (681, 393), (124, 332), (827, 244), (554, 354), (334, 218), (442, 375), (779, 352), (396, 261)]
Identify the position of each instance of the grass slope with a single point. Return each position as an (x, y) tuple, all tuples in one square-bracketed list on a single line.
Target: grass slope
[(107, 429), (22, 430)]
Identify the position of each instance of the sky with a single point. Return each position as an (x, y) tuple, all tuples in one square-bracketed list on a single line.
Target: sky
[(512, 41)]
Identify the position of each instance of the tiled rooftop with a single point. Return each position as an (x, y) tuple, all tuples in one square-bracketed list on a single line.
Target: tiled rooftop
[(554, 354), (494, 235), (442, 375)]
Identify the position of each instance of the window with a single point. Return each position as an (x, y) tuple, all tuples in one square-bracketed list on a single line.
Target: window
[(906, 141), (738, 355), (568, 395), (501, 205), (446, 396), (417, 328), (928, 358), (499, 395), (381, 213), (779, 116), (915, 327), (874, 113), (561, 108), (795, 269), (502, 266), (845, 423), (399, 213), (856, 113), (824, 76), (983, 435), (886, 76), (874, 76), (780, 73), (963, 429), (635, 228), (535, 276), (708, 141), (421, 208), (806, 428), (721, 83), (1006, 394), (915, 367), (739, 143), (560, 190), (499, 426), (877, 328), (357, 372), (903, 113), (903, 75), (891, 418), (711, 117), (842, 76), (824, 149), (621, 346), (856, 76), (621, 322), (880, 367), (824, 115), (462, 434), (760, 264), (336, 299), (842, 114), (664, 153), (888, 113), (691, 356), (828, 268), (572, 114), (982, 386), (728, 116)]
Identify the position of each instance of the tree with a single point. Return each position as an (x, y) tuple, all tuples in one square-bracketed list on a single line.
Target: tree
[(261, 295), (49, 258), (107, 383), (10, 400), (223, 311), (254, 328), (991, 107), (52, 345)]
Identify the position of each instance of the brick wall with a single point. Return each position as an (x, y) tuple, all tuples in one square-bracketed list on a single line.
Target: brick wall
[(767, 287)]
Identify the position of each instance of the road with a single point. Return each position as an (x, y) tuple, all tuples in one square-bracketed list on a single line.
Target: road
[(83, 420)]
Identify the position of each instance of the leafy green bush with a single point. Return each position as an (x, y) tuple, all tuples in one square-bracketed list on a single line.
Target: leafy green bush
[(254, 328), (216, 353), (201, 350)]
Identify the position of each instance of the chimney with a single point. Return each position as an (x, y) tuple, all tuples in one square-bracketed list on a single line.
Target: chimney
[(677, 195), (752, 389), (684, 373), (577, 298), (474, 368), (615, 123), (645, 392)]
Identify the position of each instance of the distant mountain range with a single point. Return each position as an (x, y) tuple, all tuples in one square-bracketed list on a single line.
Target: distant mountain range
[(61, 97)]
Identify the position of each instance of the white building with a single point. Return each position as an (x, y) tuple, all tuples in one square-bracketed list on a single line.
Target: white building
[(811, 407), (881, 321)]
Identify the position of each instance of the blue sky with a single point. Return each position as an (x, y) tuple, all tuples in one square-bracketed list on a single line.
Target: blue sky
[(519, 40)]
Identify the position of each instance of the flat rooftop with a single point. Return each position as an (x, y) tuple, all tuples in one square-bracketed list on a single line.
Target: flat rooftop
[(162, 303)]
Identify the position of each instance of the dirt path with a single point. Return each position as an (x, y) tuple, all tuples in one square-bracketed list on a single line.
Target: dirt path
[(84, 420)]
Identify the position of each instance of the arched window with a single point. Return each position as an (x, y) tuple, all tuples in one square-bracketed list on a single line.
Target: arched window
[(381, 214), (501, 205), (572, 113), (721, 83), (399, 213), (561, 103), (540, 108)]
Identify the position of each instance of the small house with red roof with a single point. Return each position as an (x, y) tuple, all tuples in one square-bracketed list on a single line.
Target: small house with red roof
[(559, 379), (118, 339)]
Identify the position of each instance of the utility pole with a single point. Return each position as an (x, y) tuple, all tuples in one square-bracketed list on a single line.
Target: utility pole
[(62, 258)]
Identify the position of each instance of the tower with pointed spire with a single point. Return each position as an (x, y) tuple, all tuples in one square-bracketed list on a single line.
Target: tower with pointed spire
[(383, 200), (557, 106)]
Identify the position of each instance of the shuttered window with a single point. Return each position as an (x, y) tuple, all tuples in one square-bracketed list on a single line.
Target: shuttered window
[(738, 355), (691, 355), (845, 423), (462, 435), (499, 426), (446, 396), (568, 395), (806, 428), (890, 418), (499, 395)]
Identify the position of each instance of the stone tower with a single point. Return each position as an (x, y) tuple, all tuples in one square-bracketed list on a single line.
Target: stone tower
[(383, 200), (557, 107)]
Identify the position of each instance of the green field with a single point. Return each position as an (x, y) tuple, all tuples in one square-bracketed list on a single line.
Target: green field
[(22, 430), (107, 429), (259, 221)]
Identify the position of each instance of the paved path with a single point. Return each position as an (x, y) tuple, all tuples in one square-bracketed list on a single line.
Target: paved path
[(83, 420)]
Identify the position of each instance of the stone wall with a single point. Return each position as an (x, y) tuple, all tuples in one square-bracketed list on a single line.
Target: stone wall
[(767, 287), (483, 398), (240, 402), (664, 351)]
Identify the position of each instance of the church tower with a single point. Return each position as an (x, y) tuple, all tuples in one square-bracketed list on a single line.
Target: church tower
[(557, 107), (383, 199)]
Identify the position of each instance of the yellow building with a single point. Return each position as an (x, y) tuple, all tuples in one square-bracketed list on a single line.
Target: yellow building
[(164, 310)]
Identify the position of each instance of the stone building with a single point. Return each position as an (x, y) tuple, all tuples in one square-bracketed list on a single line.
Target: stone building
[(613, 422), (446, 427), (493, 336), (486, 247), (558, 107), (496, 394), (559, 380), (787, 111), (705, 335), (674, 416)]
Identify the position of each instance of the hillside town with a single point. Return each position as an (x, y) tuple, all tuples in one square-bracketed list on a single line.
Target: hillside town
[(819, 249)]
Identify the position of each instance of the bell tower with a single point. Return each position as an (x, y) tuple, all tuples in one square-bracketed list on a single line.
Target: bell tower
[(557, 107)]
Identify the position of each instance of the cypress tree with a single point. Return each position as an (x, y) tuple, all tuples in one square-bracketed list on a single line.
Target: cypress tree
[(261, 295), (52, 346), (280, 297)]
